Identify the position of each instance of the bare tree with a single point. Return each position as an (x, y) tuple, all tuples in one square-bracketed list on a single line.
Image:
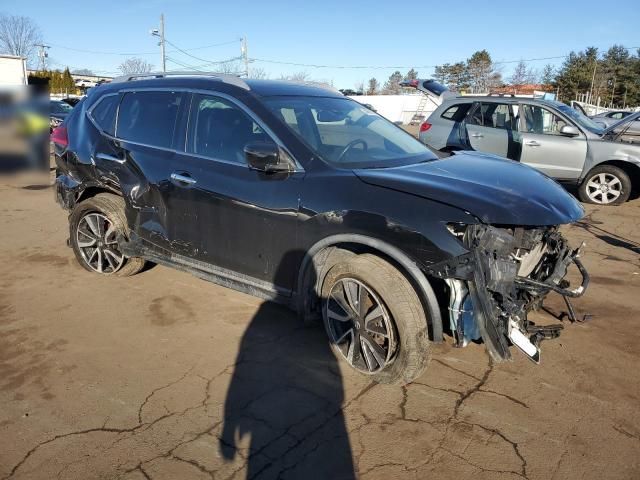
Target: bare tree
[(296, 77), (135, 65), (19, 36), (258, 73), (83, 71), (522, 74), (229, 68), (359, 86)]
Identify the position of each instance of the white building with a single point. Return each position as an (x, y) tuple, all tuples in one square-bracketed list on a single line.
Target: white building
[(13, 71)]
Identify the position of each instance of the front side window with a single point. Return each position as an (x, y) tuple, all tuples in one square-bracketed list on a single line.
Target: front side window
[(493, 115), (542, 121), (149, 117), (220, 129), (347, 134)]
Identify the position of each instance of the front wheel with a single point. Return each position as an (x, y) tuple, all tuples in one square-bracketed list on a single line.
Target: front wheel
[(94, 228), (605, 185), (375, 320)]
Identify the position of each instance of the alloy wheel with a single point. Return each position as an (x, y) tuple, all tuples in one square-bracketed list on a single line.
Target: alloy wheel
[(359, 326), (604, 188), (98, 245)]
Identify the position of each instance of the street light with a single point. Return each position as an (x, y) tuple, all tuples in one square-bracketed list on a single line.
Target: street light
[(160, 34)]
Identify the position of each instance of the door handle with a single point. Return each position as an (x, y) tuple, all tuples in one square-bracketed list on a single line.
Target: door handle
[(109, 158), (532, 143), (477, 135), (182, 178)]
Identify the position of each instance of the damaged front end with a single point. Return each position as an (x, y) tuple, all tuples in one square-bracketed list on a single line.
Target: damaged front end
[(506, 273)]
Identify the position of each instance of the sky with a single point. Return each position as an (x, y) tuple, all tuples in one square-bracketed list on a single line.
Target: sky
[(327, 32)]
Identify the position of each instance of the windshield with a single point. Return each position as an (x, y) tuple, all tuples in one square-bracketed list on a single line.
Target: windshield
[(347, 134), (60, 107), (580, 119)]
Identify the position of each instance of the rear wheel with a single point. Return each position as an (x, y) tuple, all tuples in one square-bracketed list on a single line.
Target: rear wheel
[(606, 185), (94, 228), (375, 320)]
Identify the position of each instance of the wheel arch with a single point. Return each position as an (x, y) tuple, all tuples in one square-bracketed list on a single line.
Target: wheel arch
[(94, 189), (316, 256), (630, 168)]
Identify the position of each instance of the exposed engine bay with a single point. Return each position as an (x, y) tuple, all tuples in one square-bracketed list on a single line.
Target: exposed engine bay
[(507, 272)]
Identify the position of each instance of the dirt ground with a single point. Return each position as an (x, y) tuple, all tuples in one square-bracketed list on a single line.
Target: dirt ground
[(165, 376)]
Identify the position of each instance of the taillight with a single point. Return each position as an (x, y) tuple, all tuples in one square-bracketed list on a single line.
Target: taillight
[(425, 126), (59, 136)]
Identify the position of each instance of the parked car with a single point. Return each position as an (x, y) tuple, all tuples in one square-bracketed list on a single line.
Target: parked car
[(71, 101), (298, 194), (609, 118), (547, 135), (58, 111)]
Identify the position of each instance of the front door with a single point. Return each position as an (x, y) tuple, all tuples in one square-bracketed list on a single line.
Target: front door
[(223, 212), (545, 148)]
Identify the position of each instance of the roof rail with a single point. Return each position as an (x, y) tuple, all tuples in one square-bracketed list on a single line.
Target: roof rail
[(496, 94), (223, 77)]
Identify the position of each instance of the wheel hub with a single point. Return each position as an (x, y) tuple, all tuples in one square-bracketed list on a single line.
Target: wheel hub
[(604, 188), (96, 240), (359, 326)]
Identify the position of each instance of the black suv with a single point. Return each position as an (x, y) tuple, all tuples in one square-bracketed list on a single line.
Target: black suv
[(295, 193)]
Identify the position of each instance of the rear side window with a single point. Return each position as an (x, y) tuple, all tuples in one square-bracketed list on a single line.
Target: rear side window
[(494, 115), (456, 112), (104, 113), (149, 117)]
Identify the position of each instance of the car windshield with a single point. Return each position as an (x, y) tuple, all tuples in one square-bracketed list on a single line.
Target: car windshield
[(582, 120), (60, 107), (347, 134)]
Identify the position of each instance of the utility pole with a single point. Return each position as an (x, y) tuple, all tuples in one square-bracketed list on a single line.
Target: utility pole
[(245, 56), (160, 34), (42, 56), (162, 51), (593, 79)]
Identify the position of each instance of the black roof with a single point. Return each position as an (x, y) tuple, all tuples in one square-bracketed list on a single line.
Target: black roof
[(268, 88), (262, 88)]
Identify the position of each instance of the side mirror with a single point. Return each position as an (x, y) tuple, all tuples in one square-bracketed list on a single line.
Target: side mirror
[(265, 157), (569, 131)]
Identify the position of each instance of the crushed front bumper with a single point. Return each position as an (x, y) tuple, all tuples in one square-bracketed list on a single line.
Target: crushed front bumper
[(506, 273)]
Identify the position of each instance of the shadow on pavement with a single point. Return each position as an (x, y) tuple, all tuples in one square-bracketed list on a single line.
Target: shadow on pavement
[(286, 395)]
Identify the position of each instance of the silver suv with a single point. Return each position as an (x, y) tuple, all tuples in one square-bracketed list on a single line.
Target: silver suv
[(544, 134)]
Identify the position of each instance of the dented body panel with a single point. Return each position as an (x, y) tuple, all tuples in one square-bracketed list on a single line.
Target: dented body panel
[(239, 226)]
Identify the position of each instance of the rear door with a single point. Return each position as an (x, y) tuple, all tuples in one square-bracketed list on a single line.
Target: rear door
[(490, 128), (545, 148)]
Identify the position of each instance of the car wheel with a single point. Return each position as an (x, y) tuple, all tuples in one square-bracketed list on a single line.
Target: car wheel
[(606, 185), (375, 320), (94, 227)]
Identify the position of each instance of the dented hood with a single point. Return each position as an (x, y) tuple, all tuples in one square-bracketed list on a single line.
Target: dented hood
[(495, 190)]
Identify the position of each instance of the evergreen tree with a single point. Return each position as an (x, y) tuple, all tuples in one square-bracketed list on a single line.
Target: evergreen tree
[(373, 86), (392, 86)]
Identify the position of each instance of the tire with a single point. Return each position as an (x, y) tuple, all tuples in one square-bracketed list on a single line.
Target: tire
[(402, 319), (616, 180), (101, 212)]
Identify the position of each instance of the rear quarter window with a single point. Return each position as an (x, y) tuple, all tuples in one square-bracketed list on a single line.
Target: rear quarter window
[(456, 112), (149, 117), (104, 113)]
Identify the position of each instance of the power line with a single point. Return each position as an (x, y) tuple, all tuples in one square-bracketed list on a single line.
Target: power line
[(399, 67), (130, 54)]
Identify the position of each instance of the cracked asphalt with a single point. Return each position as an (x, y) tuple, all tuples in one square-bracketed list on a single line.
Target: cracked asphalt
[(164, 376)]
